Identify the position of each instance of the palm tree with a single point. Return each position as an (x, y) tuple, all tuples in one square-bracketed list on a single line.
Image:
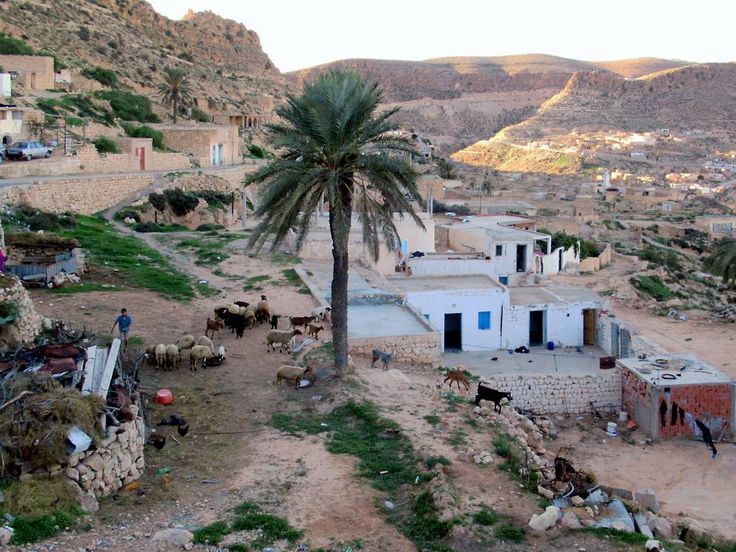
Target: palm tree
[(722, 261), (334, 147), (175, 90)]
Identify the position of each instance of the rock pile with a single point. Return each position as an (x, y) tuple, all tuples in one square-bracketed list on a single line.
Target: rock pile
[(62, 278), (520, 427)]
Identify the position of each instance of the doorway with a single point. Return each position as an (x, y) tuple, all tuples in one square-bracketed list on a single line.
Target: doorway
[(536, 328), (559, 261), (521, 258), (589, 322), (454, 331)]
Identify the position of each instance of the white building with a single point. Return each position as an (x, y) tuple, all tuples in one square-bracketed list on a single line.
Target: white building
[(5, 85), (538, 315), (466, 309)]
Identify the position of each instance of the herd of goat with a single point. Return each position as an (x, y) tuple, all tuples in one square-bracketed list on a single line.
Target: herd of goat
[(236, 317)]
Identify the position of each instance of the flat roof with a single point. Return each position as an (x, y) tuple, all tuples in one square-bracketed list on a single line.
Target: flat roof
[(540, 295), (383, 319), (671, 371), (445, 283)]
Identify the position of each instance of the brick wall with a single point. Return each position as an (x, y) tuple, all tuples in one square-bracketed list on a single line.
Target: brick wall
[(78, 195), (561, 393), (421, 348)]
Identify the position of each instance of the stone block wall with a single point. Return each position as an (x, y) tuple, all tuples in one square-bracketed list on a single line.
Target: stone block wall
[(28, 324), (421, 348), (593, 264), (117, 460), (36, 72), (78, 195), (562, 393)]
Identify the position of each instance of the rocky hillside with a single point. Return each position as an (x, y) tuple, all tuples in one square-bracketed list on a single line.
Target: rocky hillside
[(223, 58), (701, 97), (460, 100)]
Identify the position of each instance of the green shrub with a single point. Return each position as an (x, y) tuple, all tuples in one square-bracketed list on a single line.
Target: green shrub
[(661, 257), (510, 533), (143, 131), (49, 222), (209, 227), (212, 533), (257, 151), (128, 212), (432, 461), (214, 198), (181, 202), (130, 107), (486, 517), (106, 77), (10, 46), (83, 33), (28, 530), (158, 201), (103, 144), (199, 115), (653, 287)]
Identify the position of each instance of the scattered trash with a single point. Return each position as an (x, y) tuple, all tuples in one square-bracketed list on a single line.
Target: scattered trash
[(134, 486), (208, 482), (389, 505), (304, 383), (383, 472), (79, 440), (416, 481), (203, 282), (163, 471), (323, 424), (164, 397)]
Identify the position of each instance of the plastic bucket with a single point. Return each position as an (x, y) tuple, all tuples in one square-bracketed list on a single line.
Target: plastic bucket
[(612, 428), (623, 416)]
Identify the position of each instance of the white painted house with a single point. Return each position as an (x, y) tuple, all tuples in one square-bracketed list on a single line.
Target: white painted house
[(466, 309), (538, 315)]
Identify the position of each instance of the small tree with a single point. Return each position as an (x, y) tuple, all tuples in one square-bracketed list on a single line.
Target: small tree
[(722, 261), (175, 91)]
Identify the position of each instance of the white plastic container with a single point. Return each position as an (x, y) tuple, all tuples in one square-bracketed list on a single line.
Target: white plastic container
[(623, 416), (612, 428)]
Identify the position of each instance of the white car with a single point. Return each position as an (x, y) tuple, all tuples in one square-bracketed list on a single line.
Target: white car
[(28, 150)]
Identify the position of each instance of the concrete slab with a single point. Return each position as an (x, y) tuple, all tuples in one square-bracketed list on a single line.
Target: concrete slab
[(543, 362), (444, 283), (537, 295), (381, 320)]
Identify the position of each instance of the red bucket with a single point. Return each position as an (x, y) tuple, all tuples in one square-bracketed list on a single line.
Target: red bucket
[(164, 396)]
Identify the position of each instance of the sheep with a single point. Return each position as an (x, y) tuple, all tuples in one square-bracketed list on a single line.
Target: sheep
[(262, 311), (250, 317), (199, 354), (160, 353), (293, 373), (186, 342), (280, 337), (218, 358), (296, 321), (241, 303), (172, 356), (206, 341), (151, 355), (314, 330), (213, 326), (321, 313)]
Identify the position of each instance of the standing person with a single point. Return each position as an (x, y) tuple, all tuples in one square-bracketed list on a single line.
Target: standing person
[(123, 323)]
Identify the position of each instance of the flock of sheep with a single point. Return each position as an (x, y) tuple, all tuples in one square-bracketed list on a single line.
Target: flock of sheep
[(237, 317)]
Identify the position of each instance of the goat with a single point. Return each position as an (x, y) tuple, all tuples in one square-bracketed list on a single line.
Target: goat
[(213, 326), (297, 321), (386, 358), (218, 358), (275, 321), (199, 354), (488, 394), (314, 330), (280, 337), (262, 312), (321, 313), (172, 356), (293, 373), (458, 376)]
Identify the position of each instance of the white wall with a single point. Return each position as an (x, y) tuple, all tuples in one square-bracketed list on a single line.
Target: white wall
[(5, 85), (551, 262), (563, 324), (428, 266), (468, 302), (506, 263)]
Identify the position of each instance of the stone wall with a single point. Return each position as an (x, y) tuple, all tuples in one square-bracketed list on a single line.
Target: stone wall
[(421, 348), (28, 323), (83, 195), (554, 393), (593, 264), (117, 460), (36, 72)]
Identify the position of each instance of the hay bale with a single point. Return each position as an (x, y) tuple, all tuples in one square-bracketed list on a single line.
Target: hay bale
[(38, 497)]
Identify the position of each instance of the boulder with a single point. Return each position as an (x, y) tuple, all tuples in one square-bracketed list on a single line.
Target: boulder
[(648, 498), (546, 520), (577, 501), (571, 521), (483, 457), (642, 525), (661, 527), (546, 493), (653, 546), (6, 533), (175, 537)]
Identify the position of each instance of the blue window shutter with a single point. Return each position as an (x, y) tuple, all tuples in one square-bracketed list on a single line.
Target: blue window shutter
[(484, 320), (426, 317)]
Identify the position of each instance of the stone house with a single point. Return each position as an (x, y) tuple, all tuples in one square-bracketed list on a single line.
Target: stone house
[(31, 72), (717, 226), (209, 144)]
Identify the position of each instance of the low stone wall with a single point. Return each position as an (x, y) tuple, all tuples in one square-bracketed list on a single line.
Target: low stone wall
[(28, 324), (78, 195), (421, 348), (556, 393), (117, 460), (593, 264)]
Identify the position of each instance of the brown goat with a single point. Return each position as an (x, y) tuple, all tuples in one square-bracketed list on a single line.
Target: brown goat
[(213, 326), (314, 330), (458, 376), (297, 321)]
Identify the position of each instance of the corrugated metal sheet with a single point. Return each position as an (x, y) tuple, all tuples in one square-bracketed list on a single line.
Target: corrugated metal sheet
[(67, 264)]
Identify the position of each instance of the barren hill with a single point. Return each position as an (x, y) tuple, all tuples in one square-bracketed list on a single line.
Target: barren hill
[(701, 97), (224, 59)]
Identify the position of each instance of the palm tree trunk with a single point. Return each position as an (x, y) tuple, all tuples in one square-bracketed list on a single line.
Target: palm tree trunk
[(175, 105), (339, 300)]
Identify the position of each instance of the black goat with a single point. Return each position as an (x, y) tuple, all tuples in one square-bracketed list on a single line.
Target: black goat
[(275, 321), (488, 394)]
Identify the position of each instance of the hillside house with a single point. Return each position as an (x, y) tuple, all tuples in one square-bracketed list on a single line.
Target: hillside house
[(717, 226), (209, 144), (30, 72)]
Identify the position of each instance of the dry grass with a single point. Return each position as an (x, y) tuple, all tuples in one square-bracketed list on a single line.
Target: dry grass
[(38, 497)]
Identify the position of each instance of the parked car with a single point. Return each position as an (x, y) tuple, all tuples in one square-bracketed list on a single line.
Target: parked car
[(28, 150)]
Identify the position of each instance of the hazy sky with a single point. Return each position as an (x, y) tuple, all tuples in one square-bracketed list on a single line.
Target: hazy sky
[(298, 33)]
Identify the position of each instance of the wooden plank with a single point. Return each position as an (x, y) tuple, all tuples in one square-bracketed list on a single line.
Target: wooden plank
[(89, 370), (110, 364)]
